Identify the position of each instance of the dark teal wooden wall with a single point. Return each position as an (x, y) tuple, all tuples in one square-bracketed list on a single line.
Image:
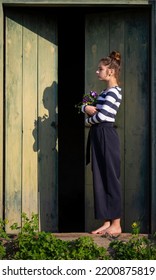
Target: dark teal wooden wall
[(128, 32)]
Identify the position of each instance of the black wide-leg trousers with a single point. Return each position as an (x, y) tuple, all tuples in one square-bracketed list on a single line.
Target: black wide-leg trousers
[(105, 153)]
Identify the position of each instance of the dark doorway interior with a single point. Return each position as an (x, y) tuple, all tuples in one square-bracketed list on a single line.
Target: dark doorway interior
[(70, 123)]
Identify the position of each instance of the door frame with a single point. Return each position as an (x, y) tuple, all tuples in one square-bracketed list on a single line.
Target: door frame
[(140, 3)]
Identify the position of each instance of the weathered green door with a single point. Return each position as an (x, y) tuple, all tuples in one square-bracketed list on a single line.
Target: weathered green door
[(126, 31), (31, 116), (33, 63)]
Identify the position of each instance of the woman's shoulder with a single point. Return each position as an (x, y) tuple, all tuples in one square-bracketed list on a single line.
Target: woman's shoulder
[(114, 90)]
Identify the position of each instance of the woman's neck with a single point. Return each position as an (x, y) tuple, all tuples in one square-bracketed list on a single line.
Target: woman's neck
[(112, 83)]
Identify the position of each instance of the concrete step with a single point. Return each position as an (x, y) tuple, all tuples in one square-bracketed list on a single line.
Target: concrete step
[(100, 240)]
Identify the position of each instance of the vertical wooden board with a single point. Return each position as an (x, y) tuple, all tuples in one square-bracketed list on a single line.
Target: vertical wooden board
[(96, 47), (47, 122), (153, 118), (13, 119), (136, 120), (117, 42), (1, 112), (29, 154)]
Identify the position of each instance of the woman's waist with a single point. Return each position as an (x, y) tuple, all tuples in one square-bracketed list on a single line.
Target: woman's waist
[(111, 124)]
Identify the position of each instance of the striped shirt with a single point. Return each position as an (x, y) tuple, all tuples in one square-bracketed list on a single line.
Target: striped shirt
[(107, 105)]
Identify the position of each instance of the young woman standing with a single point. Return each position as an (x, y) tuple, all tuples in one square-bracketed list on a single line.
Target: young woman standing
[(105, 147)]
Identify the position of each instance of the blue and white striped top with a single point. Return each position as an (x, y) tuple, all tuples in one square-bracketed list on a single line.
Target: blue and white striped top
[(107, 104)]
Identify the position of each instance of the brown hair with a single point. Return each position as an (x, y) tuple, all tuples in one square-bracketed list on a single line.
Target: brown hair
[(113, 61)]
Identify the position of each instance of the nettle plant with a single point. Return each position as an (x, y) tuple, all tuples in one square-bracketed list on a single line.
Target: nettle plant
[(32, 244), (3, 236), (136, 248)]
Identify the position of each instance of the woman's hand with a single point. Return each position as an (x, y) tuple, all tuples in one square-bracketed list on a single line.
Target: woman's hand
[(90, 110)]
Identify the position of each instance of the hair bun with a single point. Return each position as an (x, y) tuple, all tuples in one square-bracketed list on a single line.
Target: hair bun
[(115, 55)]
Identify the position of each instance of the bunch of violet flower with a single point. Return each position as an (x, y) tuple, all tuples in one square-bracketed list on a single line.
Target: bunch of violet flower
[(87, 99)]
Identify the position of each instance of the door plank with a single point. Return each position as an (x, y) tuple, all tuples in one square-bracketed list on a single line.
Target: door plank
[(29, 156), (47, 121), (13, 121), (136, 120), (1, 112), (117, 29), (96, 47)]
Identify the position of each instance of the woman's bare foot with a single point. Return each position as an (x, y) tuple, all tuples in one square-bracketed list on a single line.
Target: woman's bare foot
[(114, 229), (102, 229)]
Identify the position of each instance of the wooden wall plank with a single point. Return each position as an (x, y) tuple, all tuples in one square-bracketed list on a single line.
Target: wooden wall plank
[(137, 120), (13, 121), (153, 118), (47, 121), (117, 29), (29, 156), (76, 2), (96, 47), (1, 112)]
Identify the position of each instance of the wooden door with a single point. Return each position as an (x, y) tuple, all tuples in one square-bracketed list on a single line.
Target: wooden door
[(126, 31), (31, 116)]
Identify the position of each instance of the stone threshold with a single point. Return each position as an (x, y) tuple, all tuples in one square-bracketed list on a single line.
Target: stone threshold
[(100, 240)]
